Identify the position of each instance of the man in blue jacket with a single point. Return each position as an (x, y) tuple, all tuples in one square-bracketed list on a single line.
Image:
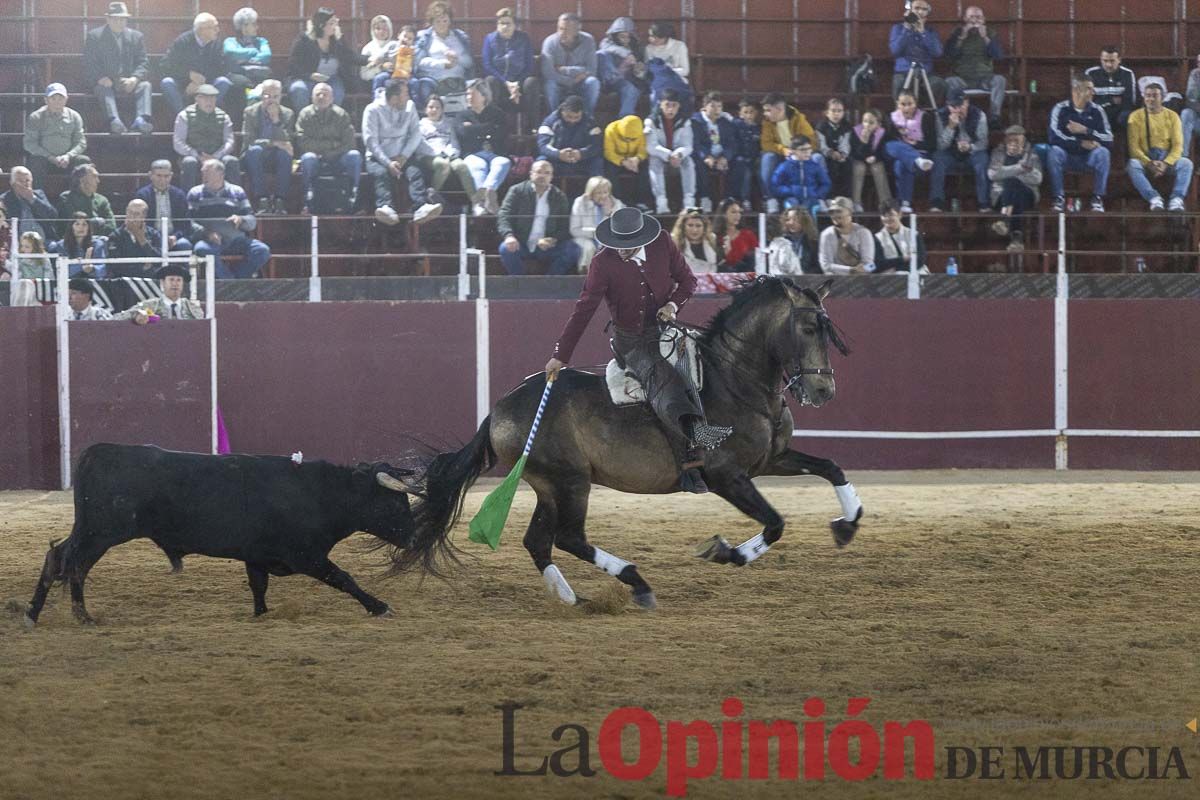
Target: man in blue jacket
[(1079, 140), (508, 66), (800, 180), (914, 42), (714, 148), (164, 199), (570, 140)]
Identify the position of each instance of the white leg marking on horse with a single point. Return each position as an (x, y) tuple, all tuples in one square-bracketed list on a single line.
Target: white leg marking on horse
[(849, 500), (558, 584), (608, 562), (753, 548)]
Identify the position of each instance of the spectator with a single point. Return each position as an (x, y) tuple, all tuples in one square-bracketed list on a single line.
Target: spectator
[(911, 138), (867, 154), (79, 298), (794, 250), (325, 136), (801, 180), (534, 222), (974, 49), (1016, 173), (1191, 112), (26, 207), (915, 45), (674, 53), (714, 141), (135, 239), (442, 139), (115, 66), (392, 138), (54, 137), (379, 53), (267, 131), (744, 164), (1079, 140), (406, 50), (442, 63), (321, 55), (570, 140), (1116, 88), (595, 205), (781, 123), (79, 245), (735, 243), (625, 154), (247, 55), (846, 247), (225, 219), (171, 304), (894, 242), (962, 147), (1155, 138), (508, 67), (166, 201), (669, 143), (193, 60), (622, 64), (483, 135), (569, 64), (83, 198), (203, 131), (31, 264), (662, 78), (695, 241), (833, 143)]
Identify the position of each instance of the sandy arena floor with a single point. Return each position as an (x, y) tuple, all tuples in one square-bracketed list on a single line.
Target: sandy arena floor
[(1004, 608)]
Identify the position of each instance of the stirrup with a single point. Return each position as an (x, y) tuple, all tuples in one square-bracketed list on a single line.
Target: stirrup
[(710, 437)]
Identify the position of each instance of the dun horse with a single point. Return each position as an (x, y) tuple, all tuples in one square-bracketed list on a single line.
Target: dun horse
[(772, 337)]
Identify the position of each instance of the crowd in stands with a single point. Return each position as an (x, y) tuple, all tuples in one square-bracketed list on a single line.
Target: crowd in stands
[(446, 113)]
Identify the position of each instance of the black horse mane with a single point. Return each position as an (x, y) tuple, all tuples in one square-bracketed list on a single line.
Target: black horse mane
[(751, 291)]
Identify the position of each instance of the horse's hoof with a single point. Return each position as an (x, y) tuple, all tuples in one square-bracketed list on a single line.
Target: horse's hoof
[(843, 531), (716, 550), (645, 600), (28, 622), (386, 613)]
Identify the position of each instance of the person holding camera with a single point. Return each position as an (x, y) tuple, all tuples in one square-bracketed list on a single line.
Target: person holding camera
[(974, 50), (915, 45)]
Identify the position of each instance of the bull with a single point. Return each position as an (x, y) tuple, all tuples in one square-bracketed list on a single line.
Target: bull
[(278, 516)]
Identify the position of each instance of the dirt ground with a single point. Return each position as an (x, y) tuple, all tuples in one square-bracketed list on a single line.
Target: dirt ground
[(1004, 608)]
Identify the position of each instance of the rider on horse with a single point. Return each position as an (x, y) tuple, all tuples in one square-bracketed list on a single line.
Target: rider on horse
[(637, 267)]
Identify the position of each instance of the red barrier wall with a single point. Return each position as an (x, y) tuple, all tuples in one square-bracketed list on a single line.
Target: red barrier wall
[(361, 381)]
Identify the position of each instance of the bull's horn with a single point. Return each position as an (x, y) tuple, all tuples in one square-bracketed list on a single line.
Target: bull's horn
[(388, 482)]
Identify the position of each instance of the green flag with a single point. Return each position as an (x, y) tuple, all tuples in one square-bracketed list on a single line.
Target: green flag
[(488, 524)]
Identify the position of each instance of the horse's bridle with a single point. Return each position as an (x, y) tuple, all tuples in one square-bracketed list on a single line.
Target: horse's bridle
[(793, 379)]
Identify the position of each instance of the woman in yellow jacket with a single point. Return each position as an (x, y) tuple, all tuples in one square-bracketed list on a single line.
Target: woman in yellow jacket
[(626, 159)]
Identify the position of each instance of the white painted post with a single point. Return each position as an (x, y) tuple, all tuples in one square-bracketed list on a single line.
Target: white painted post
[(314, 279), (483, 343), (210, 311), (163, 236), (63, 313), (1061, 298), (464, 278), (914, 279), (760, 257)]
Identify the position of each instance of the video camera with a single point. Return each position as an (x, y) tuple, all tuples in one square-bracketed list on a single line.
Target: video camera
[(909, 15)]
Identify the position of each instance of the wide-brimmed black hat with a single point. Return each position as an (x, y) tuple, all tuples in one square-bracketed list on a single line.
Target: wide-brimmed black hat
[(628, 229), (82, 285), (173, 269)]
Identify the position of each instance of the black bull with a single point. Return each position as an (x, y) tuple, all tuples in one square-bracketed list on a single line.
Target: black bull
[(277, 516)]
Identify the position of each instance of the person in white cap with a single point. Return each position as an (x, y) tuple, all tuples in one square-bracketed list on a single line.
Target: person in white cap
[(54, 137), (115, 65)]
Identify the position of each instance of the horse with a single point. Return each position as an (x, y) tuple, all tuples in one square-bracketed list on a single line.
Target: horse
[(771, 338)]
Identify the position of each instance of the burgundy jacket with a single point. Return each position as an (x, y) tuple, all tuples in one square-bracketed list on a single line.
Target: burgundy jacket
[(634, 294)]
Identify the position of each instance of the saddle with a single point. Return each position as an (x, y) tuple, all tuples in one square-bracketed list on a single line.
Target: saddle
[(681, 353)]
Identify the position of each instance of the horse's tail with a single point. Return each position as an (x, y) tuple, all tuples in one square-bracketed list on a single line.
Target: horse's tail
[(445, 483)]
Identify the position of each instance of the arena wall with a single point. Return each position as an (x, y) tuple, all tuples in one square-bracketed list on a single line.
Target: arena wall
[(363, 381)]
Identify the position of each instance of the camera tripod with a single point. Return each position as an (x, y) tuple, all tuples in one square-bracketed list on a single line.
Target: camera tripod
[(918, 79)]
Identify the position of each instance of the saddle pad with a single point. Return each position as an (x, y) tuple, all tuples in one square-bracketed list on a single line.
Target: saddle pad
[(625, 389)]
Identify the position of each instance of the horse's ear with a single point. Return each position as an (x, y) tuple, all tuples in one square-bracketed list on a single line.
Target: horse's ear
[(823, 289)]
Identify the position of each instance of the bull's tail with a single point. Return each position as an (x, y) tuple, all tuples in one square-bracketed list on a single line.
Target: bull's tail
[(445, 482)]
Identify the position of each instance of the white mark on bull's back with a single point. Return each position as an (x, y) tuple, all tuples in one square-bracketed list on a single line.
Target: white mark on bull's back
[(145, 366)]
